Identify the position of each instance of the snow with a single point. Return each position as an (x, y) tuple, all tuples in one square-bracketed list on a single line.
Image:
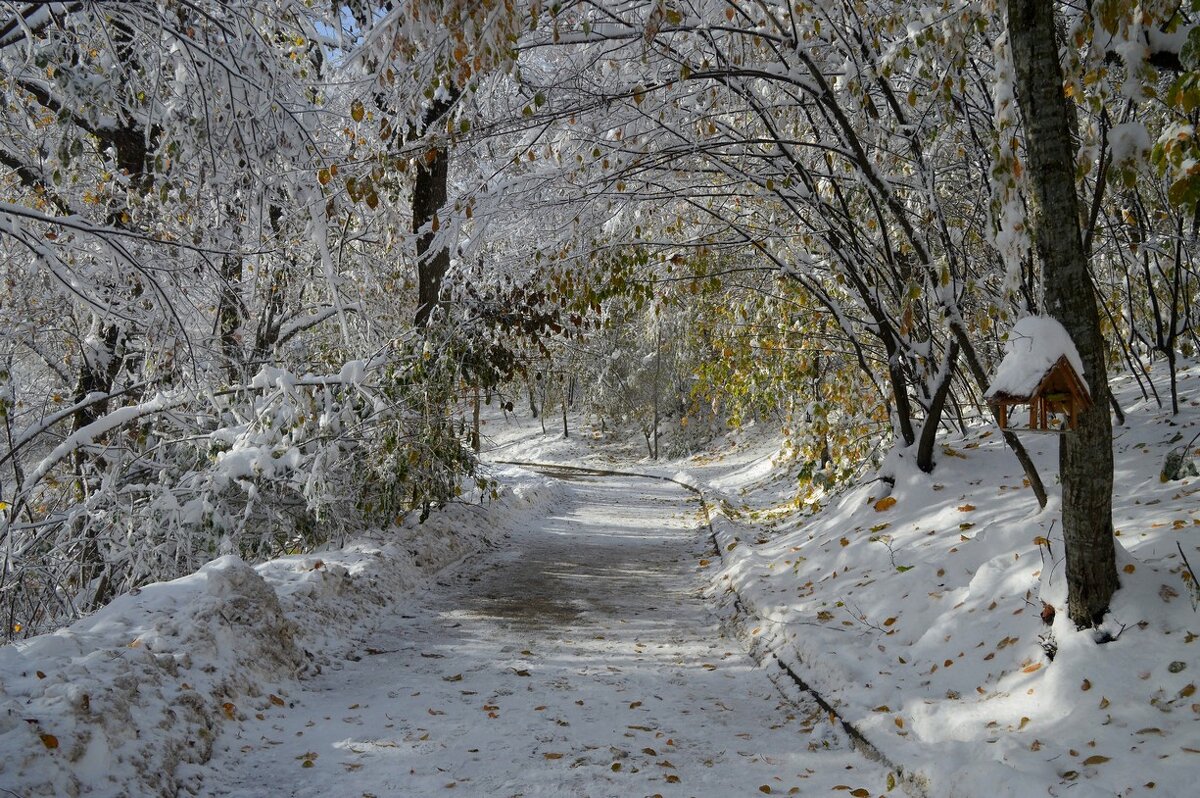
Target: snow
[(580, 660), (1035, 344), (131, 699), (1129, 142), (598, 636), (931, 608)]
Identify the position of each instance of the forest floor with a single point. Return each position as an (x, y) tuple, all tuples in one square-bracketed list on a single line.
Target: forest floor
[(583, 659)]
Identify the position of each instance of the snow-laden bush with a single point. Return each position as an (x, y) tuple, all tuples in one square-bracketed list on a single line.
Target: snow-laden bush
[(280, 465)]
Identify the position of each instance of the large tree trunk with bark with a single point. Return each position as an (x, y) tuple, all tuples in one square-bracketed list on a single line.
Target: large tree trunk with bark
[(1085, 455), (429, 196)]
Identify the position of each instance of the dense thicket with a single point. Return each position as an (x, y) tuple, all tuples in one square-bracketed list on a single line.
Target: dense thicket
[(255, 251)]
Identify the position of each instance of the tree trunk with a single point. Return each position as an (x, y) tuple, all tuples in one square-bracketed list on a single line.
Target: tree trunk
[(429, 196), (657, 384), (1085, 455), (564, 409), (933, 417), (476, 440)]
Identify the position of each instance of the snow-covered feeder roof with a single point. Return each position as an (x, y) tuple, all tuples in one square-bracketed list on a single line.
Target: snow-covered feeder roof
[(1036, 346)]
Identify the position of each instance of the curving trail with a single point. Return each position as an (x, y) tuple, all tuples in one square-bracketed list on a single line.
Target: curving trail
[(582, 660)]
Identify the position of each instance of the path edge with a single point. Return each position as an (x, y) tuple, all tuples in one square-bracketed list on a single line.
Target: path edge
[(913, 783)]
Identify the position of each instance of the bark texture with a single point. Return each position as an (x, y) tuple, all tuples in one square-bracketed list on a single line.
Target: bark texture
[(1085, 456), (429, 196)]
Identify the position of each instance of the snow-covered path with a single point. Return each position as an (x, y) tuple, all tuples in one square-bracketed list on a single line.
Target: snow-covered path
[(581, 661)]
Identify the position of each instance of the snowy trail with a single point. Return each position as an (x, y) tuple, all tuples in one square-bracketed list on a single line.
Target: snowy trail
[(581, 661)]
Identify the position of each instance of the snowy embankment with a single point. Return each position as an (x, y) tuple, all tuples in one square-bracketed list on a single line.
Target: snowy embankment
[(130, 699), (917, 611)]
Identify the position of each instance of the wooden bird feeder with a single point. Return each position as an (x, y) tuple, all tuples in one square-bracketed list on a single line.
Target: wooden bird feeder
[(1039, 371)]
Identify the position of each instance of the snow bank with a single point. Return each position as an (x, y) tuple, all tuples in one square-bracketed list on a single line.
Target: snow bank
[(130, 699), (917, 611)]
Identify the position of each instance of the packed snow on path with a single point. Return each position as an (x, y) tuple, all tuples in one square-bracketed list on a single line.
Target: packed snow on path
[(582, 660)]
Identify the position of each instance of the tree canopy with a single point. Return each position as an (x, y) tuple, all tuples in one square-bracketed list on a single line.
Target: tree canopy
[(258, 253)]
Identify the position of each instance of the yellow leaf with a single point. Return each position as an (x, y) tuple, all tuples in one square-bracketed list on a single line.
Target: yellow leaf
[(1031, 668), (49, 740), (844, 541), (357, 112), (276, 700), (766, 788), (966, 508), (861, 793), (1188, 691), (1129, 568), (228, 709), (1095, 759), (885, 503), (552, 755)]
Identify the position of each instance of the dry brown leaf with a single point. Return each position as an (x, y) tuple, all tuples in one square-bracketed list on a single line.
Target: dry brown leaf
[(1096, 759), (49, 740), (552, 755)]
